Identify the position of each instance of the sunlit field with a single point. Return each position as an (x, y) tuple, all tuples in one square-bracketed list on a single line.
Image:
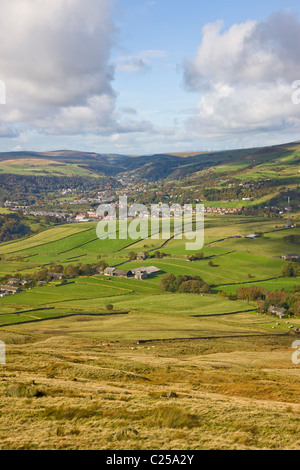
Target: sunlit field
[(160, 370)]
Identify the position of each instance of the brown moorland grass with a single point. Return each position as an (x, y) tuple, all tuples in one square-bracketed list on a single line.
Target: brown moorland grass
[(61, 392)]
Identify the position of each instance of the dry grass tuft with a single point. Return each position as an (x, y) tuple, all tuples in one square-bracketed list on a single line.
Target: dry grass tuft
[(24, 391)]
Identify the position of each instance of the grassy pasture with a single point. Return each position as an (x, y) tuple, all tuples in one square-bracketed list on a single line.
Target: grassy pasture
[(43, 167), (44, 238), (212, 373), (270, 245), (234, 261), (275, 284)]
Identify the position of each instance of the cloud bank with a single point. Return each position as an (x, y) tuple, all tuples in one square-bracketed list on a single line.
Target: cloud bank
[(55, 61), (245, 75)]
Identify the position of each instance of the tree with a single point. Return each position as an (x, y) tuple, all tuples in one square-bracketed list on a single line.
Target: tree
[(198, 256), (205, 289), (288, 270), (132, 255), (109, 307), (41, 275), (167, 281), (296, 309), (190, 287), (250, 293), (102, 265), (71, 272)]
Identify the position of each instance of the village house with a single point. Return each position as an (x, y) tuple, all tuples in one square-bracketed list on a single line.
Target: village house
[(221, 211), (290, 257), (80, 217), (6, 289), (26, 282), (14, 282), (14, 286), (279, 312), (55, 276)]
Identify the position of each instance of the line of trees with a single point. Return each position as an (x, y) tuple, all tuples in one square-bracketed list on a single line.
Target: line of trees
[(68, 272), (288, 300), (184, 284), (12, 227), (291, 270)]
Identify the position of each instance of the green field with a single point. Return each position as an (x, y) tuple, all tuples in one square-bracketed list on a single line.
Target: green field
[(161, 370), (37, 169), (236, 262)]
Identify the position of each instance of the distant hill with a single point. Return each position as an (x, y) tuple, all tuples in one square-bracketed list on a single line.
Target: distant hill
[(280, 161)]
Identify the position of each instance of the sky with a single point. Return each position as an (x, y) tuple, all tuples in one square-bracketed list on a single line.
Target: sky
[(144, 77)]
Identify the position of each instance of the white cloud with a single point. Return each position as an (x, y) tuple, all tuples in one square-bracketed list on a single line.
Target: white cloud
[(128, 110), (245, 76), (55, 61), (140, 62)]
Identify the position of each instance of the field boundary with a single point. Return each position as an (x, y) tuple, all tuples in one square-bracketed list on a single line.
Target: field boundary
[(65, 316)]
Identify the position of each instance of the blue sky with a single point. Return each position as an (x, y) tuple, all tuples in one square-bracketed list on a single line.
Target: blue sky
[(132, 76)]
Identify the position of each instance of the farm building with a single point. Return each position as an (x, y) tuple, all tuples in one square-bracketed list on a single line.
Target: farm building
[(290, 257), (26, 282), (10, 289), (145, 272), (114, 272), (141, 256), (280, 312), (252, 236), (138, 273), (13, 282), (55, 276), (109, 271), (152, 270)]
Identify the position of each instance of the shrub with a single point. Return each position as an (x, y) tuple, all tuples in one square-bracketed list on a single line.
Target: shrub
[(198, 256), (67, 413), (132, 255), (172, 417), (24, 391)]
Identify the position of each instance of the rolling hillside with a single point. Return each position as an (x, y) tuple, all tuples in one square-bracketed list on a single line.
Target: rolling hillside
[(280, 161)]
